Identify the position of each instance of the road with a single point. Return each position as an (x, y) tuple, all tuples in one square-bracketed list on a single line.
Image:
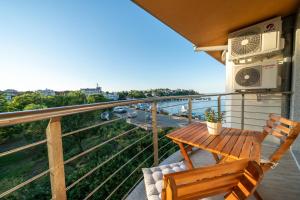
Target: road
[(143, 119)]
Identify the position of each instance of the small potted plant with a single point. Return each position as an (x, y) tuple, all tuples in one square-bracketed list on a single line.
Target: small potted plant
[(213, 121)]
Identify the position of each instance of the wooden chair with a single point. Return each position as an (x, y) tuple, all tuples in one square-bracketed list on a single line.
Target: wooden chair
[(238, 179), (284, 129)]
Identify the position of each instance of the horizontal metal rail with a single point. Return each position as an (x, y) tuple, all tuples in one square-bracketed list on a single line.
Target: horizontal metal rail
[(99, 145), (252, 105), (201, 101), (22, 148), (92, 126), (204, 107), (24, 183), (15, 150), (111, 193), (165, 145), (259, 119), (166, 152), (182, 104), (251, 112), (113, 174), (106, 161), (246, 99), (131, 189), (12, 118), (246, 124)]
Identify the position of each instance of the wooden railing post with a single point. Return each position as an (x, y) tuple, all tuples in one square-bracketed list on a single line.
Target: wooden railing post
[(190, 110), (155, 132), (243, 112), (56, 159), (219, 106)]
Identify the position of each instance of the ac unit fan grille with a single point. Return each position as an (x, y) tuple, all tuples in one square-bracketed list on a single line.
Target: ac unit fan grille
[(246, 43), (248, 76)]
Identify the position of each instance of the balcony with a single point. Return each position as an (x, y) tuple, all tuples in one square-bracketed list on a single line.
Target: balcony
[(103, 159)]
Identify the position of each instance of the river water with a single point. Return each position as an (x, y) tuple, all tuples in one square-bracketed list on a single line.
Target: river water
[(176, 107)]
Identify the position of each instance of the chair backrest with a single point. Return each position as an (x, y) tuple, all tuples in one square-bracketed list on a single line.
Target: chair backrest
[(238, 178), (284, 129)]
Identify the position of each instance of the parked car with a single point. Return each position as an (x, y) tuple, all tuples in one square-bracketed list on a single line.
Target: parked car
[(148, 117), (106, 115), (119, 109), (143, 106), (132, 114)]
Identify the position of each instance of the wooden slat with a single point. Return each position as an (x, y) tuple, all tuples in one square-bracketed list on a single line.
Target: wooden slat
[(201, 133), (224, 180), (200, 141), (185, 131), (209, 140), (223, 142), (218, 139), (230, 144), (210, 171), (180, 130), (288, 122), (199, 130), (283, 129), (246, 149), (239, 144), (208, 193)]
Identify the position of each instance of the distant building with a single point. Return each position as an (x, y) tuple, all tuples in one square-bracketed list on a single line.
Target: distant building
[(10, 94), (47, 92), (112, 96), (62, 93), (91, 91)]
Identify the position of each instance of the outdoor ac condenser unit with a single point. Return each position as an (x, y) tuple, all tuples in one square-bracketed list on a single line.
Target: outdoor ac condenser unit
[(255, 41), (260, 75)]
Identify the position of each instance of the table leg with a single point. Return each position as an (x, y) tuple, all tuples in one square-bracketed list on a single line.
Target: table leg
[(216, 157), (257, 195), (189, 148), (185, 155)]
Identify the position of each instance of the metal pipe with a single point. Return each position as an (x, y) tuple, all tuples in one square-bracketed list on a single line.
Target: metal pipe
[(211, 48)]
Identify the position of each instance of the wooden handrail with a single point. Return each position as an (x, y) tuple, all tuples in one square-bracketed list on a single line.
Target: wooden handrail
[(12, 118)]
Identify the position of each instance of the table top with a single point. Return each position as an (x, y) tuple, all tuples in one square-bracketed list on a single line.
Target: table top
[(233, 143)]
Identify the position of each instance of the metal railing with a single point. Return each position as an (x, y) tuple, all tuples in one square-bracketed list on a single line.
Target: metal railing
[(234, 105)]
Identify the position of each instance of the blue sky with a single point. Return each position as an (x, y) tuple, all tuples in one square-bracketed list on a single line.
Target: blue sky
[(74, 44)]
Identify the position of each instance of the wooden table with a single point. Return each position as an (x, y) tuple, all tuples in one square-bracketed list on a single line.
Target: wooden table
[(230, 144)]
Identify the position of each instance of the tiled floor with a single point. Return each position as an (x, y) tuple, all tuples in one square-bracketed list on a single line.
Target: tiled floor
[(281, 183)]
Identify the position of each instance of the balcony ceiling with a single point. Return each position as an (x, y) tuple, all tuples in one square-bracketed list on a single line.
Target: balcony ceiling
[(207, 23)]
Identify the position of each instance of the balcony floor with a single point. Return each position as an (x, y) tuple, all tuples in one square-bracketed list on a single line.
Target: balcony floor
[(280, 183)]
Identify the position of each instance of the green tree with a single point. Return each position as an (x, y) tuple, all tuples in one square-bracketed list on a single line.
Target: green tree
[(21, 101), (96, 98), (136, 94), (3, 103), (74, 98), (123, 95)]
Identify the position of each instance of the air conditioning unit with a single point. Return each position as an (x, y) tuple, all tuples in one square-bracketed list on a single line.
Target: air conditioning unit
[(261, 75), (254, 41)]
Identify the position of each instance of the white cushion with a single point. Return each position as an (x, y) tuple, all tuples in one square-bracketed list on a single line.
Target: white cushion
[(153, 178)]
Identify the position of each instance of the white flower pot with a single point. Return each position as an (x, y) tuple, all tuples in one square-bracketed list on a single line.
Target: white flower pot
[(214, 128)]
